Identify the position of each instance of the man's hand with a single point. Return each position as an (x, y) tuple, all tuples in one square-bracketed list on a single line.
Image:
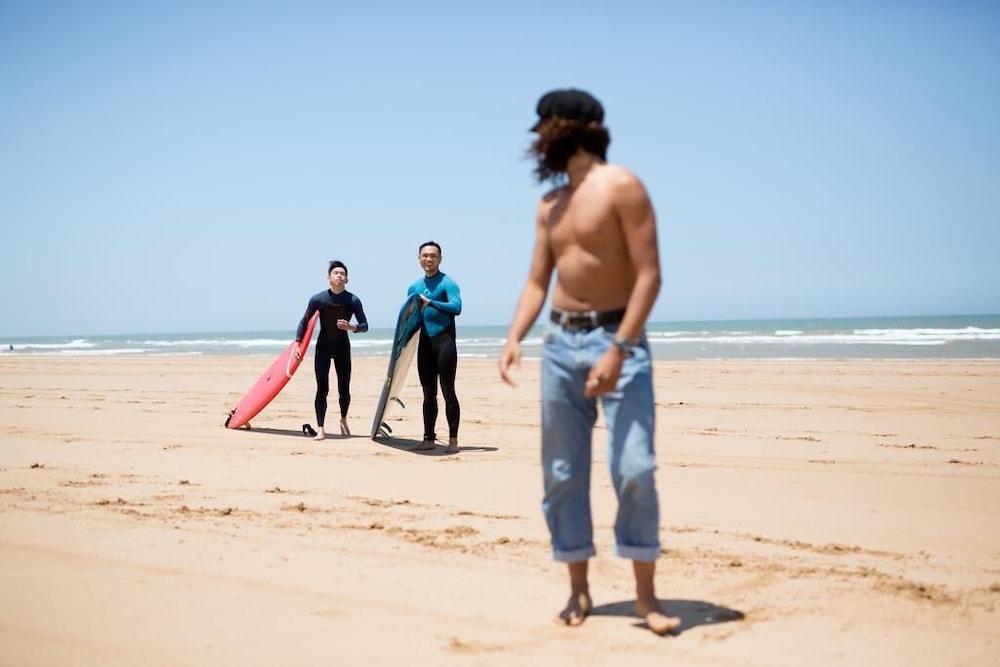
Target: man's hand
[(423, 297), (509, 358), (296, 352), (604, 374), (344, 325)]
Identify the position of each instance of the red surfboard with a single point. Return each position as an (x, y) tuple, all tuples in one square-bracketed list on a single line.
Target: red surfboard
[(272, 381)]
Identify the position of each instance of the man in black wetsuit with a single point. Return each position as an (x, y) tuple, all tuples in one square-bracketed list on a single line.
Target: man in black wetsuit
[(336, 307)]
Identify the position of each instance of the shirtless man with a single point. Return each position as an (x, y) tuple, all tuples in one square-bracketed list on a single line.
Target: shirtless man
[(598, 232)]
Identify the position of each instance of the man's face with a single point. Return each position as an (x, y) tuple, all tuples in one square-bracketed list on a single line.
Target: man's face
[(338, 278), (430, 259)]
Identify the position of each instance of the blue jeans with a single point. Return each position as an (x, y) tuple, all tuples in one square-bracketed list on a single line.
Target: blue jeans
[(567, 423)]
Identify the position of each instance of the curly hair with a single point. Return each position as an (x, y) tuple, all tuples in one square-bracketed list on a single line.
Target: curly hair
[(559, 138)]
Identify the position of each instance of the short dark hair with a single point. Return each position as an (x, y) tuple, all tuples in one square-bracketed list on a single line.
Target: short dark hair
[(427, 243), (559, 138), (336, 264)]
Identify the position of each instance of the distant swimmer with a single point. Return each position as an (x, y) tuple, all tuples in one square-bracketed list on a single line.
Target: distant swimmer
[(437, 354), (598, 233), (336, 307)]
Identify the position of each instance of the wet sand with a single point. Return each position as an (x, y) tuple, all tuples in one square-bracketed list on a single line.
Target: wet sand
[(814, 512)]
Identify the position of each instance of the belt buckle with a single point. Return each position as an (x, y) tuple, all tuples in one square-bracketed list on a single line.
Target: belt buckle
[(580, 320)]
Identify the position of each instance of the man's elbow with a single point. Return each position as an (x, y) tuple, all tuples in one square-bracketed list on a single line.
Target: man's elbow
[(652, 278)]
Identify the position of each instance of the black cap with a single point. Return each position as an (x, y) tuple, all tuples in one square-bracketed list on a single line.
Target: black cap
[(568, 103)]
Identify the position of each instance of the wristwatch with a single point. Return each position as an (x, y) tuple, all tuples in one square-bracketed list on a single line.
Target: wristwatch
[(623, 345)]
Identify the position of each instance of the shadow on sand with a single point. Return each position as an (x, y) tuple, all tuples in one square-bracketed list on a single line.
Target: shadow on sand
[(414, 447), (296, 433), (691, 612), (402, 444)]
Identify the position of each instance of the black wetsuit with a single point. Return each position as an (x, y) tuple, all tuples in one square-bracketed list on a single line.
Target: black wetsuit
[(333, 344), (437, 360)]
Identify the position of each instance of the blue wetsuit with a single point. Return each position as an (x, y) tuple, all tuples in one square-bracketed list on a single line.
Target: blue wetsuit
[(437, 356), (333, 344)]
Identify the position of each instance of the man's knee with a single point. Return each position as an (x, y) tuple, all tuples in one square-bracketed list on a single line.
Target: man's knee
[(560, 491), (562, 477), (638, 489)]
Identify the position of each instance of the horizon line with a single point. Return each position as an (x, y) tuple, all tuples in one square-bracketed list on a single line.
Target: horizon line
[(648, 322)]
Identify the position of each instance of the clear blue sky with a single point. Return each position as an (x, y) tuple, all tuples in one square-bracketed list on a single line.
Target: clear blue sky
[(192, 166)]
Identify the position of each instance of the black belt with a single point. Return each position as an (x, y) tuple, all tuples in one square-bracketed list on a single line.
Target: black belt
[(586, 320)]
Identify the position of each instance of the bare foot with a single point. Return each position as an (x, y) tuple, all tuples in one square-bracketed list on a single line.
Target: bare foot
[(452, 446), (577, 608), (343, 427), (320, 434), (657, 621)]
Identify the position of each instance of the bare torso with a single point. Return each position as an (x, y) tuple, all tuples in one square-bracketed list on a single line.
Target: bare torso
[(593, 267)]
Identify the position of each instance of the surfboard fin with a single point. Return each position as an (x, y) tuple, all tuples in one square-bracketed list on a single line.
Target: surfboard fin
[(400, 402), (385, 427), (230, 417)]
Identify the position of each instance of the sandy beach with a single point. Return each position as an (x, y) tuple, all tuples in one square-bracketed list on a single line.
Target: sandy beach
[(814, 512)]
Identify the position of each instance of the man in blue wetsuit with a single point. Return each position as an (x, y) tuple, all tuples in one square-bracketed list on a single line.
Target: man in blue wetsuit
[(437, 356), (336, 307)]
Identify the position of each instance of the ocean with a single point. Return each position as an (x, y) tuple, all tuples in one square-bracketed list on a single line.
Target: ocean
[(937, 337)]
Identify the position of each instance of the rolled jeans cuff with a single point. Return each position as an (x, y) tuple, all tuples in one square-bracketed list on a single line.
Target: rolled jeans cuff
[(574, 556), (641, 554)]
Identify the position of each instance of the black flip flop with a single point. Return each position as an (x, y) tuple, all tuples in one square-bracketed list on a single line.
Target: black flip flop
[(308, 430)]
